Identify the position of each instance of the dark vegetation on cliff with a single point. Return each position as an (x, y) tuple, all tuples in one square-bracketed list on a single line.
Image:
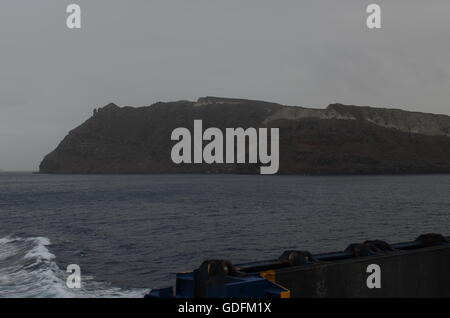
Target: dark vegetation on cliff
[(337, 140)]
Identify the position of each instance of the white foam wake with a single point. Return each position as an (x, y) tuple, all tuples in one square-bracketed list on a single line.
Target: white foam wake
[(28, 269)]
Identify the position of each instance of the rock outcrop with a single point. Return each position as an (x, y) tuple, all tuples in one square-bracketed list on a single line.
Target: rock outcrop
[(339, 139)]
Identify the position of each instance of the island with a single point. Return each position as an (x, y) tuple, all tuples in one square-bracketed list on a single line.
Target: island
[(338, 139)]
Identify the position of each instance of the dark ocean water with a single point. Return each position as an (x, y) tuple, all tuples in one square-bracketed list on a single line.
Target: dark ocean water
[(132, 233)]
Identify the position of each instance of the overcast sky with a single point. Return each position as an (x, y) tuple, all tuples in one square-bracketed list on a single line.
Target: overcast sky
[(137, 52)]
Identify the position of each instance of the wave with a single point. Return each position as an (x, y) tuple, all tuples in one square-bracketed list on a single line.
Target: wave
[(28, 269)]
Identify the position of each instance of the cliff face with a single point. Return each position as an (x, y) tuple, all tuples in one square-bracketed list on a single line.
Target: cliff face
[(338, 139)]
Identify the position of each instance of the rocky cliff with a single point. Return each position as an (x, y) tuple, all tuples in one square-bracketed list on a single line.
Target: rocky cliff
[(338, 139)]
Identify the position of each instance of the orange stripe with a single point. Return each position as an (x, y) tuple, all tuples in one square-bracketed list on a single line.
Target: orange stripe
[(271, 275), (286, 294)]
